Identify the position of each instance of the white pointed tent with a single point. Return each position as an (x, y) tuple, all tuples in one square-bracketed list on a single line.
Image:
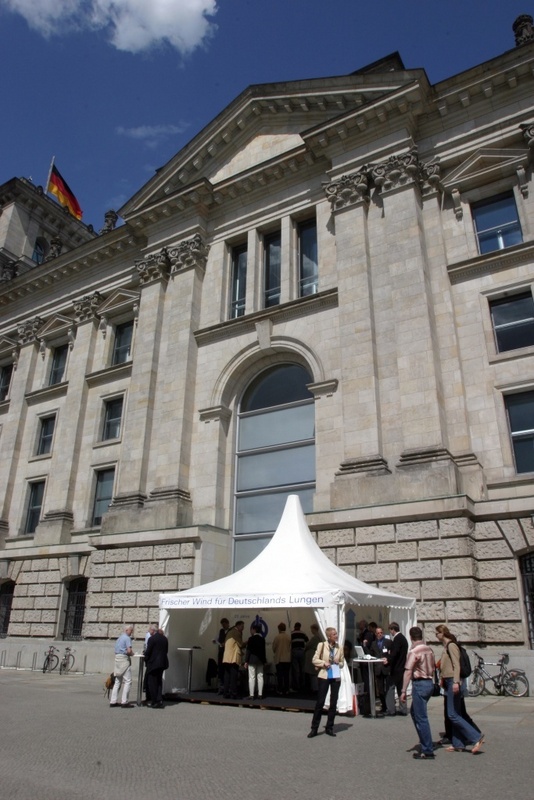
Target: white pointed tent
[(291, 572)]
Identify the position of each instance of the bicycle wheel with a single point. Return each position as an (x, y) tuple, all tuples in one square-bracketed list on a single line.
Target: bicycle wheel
[(515, 685), (476, 684), (53, 661), (45, 665), (68, 663)]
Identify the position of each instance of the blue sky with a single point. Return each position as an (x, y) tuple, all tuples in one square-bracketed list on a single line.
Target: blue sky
[(114, 88)]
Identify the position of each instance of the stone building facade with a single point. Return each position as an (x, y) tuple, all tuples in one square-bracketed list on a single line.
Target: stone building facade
[(327, 292)]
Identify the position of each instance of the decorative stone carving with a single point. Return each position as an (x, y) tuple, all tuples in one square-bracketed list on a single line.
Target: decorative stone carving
[(56, 246), (110, 220), (430, 176), (191, 253), (85, 308), (457, 202), (9, 271), (349, 189), (397, 171), (523, 29), (154, 267), (528, 133), (27, 331)]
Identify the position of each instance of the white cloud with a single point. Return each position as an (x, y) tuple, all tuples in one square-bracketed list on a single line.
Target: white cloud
[(133, 25), (152, 135)]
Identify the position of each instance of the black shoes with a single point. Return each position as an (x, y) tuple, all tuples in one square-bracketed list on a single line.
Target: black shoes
[(330, 732), (312, 733)]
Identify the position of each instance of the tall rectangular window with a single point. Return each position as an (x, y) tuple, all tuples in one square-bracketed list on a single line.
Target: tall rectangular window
[(308, 269), (496, 223), (520, 408), (112, 418), (35, 504), (239, 281), (6, 373), (122, 345), (513, 321), (46, 434), (59, 362), (272, 248), (103, 494)]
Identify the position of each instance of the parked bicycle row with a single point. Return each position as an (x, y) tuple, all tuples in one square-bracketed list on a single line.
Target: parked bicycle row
[(52, 660)]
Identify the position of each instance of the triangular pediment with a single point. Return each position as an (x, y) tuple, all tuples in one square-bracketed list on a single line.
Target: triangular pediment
[(119, 301), (55, 327), (484, 166), (265, 123), (7, 346)]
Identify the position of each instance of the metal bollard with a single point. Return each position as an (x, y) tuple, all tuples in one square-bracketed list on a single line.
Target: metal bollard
[(19, 656), (85, 664), (34, 662)]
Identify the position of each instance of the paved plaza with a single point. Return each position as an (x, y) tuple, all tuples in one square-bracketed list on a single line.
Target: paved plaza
[(61, 741)]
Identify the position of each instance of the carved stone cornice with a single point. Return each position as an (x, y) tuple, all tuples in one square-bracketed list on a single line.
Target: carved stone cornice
[(27, 331), (155, 267), (128, 500), (215, 414), (189, 254), (85, 308), (349, 189), (523, 29), (366, 465)]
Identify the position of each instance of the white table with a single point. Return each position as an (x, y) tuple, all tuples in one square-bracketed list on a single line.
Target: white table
[(189, 650), (372, 694)]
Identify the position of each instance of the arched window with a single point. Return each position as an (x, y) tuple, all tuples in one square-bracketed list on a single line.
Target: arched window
[(275, 455), (7, 590), (527, 572), (75, 610), (40, 250)]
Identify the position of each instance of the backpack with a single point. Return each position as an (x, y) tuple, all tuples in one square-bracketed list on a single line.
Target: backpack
[(465, 664), (108, 684)]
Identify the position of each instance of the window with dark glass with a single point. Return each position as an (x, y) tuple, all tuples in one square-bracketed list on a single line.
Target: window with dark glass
[(122, 345), (35, 504), (308, 269), (7, 590), (59, 362), (103, 494), (275, 455), (6, 373), (520, 408), (75, 610), (272, 249), (112, 418), (526, 564), (496, 223), (513, 321), (46, 434), (39, 250), (239, 281)]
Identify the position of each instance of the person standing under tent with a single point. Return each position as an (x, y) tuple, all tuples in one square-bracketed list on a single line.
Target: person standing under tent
[(233, 648), (309, 652), (298, 643), (395, 660), (329, 660), (282, 658), (255, 660)]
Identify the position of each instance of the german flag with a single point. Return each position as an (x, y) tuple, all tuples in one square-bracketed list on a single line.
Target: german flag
[(58, 186)]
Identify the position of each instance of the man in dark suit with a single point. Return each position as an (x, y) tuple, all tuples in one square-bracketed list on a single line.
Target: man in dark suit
[(395, 660), (156, 662), (379, 649)]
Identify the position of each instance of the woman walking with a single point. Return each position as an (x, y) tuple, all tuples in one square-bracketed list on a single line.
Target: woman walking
[(462, 732)]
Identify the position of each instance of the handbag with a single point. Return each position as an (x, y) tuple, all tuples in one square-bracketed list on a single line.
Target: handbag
[(436, 689)]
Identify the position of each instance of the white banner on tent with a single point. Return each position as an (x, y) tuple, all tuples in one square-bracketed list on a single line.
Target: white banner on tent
[(263, 600)]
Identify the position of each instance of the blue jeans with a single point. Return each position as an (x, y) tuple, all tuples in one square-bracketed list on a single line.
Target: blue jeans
[(462, 732), (421, 694)]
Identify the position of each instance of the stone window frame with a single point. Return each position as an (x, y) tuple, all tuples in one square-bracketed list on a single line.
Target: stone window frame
[(234, 249), (121, 307), (40, 418), (5, 385), (298, 223), (507, 448), (486, 298), (102, 418), (474, 204), (31, 483), (98, 469)]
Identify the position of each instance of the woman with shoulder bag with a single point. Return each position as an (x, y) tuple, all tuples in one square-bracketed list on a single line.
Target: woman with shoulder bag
[(329, 660)]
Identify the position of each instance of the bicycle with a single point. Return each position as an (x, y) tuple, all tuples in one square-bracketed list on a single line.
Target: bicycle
[(507, 681), (51, 660), (67, 662)]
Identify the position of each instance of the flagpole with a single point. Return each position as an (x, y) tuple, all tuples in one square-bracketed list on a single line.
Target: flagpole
[(49, 174)]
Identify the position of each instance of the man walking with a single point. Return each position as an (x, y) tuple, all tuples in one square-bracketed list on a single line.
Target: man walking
[(419, 670), (123, 669), (395, 660), (156, 661)]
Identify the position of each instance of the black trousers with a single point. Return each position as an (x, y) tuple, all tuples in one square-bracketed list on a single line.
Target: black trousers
[(154, 682), (325, 684), (231, 675)]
